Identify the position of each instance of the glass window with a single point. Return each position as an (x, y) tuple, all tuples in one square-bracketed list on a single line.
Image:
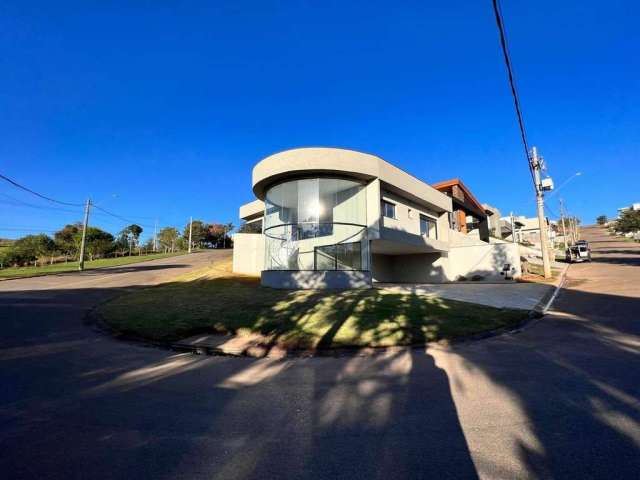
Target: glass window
[(388, 209), (428, 227), (348, 256), (305, 214), (342, 256)]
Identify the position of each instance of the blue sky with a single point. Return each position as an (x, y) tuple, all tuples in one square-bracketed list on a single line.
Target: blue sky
[(160, 109)]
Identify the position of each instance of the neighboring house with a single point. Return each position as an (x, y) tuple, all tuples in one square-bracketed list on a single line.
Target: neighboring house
[(339, 218), (633, 206), (493, 218), (468, 214), (527, 230), (509, 227)]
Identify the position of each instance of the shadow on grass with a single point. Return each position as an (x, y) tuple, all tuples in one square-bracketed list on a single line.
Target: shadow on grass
[(299, 319)]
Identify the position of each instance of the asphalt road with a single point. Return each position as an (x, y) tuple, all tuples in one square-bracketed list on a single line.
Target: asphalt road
[(558, 400)]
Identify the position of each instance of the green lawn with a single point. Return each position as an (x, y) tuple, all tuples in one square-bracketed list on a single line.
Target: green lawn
[(215, 300), (73, 266)]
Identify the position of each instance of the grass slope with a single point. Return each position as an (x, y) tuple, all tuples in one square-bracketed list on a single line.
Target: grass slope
[(73, 266), (215, 300)]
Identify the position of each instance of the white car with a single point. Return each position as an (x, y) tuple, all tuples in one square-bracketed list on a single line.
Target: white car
[(578, 253)]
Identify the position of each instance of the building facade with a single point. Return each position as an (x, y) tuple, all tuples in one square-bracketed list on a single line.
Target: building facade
[(339, 218)]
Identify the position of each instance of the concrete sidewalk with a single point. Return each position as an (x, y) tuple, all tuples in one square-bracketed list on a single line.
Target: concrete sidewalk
[(523, 296)]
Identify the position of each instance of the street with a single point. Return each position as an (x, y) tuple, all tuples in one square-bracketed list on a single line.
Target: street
[(561, 399)]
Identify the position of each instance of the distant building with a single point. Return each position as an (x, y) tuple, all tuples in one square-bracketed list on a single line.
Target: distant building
[(527, 230), (493, 217), (633, 206)]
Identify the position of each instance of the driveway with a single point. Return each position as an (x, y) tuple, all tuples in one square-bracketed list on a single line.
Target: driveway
[(524, 296), (559, 400)]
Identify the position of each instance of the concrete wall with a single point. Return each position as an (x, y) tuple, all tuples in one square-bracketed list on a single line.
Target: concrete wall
[(252, 210), (248, 253), (415, 268), (291, 279), (486, 261), (382, 267), (408, 216)]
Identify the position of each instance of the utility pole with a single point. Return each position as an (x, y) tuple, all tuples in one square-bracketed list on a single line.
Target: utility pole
[(85, 224), (564, 230), (536, 165), (190, 228), (155, 236)]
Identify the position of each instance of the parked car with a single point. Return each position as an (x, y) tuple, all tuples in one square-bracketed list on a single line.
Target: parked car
[(578, 253)]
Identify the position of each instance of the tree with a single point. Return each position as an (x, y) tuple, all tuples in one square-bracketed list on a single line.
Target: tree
[(167, 237), (198, 232), (218, 235), (121, 244), (99, 242), (148, 245), (66, 239), (131, 234), (629, 221), (28, 249), (601, 220), (135, 231)]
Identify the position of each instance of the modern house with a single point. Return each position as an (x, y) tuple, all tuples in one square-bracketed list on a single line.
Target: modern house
[(339, 218)]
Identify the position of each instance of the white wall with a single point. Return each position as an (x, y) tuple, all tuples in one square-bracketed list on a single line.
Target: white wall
[(408, 217), (483, 260), (248, 253)]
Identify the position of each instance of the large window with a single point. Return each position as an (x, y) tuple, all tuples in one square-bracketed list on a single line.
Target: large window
[(388, 209), (428, 227), (342, 256), (306, 214)]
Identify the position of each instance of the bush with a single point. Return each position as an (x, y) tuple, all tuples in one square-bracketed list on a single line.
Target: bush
[(28, 249)]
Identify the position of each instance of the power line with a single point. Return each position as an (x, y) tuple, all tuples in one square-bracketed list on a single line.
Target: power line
[(118, 216), (19, 203), (546, 205), (512, 83), (22, 187)]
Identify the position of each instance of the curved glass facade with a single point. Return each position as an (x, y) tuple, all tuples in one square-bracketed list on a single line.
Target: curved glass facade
[(316, 224)]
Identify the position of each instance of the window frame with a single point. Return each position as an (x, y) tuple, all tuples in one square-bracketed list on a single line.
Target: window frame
[(335, 257), (429, 219), (383, 204)]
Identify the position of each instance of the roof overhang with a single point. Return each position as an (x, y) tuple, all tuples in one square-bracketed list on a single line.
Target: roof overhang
[(304, 162)]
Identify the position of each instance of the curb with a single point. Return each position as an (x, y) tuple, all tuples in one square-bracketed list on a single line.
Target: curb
[(542, 307)]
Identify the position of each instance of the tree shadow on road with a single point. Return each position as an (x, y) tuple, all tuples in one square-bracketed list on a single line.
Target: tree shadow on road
[(80, 405)]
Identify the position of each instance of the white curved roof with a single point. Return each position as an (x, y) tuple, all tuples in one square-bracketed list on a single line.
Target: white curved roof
[(350, 163)]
